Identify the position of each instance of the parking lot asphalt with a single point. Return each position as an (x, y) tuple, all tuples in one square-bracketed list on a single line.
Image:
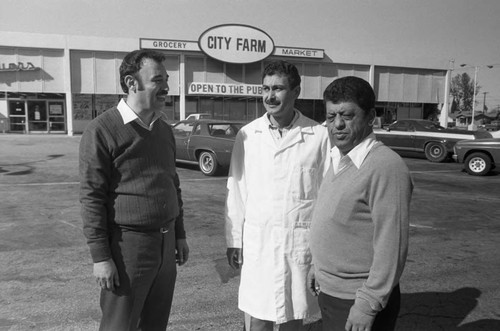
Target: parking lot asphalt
[(450, 281)]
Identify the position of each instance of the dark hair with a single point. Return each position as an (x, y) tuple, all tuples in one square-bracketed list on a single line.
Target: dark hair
[(132, 63), (351, 89), (284, 68)]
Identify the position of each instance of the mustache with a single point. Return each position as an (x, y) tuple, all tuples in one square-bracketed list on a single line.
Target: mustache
[(272, 103)]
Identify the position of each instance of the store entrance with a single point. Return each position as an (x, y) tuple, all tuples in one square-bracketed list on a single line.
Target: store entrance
[(37, 116)]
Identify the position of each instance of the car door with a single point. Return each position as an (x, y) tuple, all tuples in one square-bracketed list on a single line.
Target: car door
[(400, 136), (182, 134)]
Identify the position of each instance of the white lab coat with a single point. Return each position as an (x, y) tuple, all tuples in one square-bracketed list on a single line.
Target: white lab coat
[(270, 198)]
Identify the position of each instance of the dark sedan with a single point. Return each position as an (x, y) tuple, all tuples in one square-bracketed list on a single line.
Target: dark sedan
[(478, 156), (425, 137), (208, 143)]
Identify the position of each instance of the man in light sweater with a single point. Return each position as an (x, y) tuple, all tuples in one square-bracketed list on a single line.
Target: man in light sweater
[(131, 200), (359, 231)]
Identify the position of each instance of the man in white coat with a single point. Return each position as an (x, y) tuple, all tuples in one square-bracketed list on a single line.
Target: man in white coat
[(277, 165)]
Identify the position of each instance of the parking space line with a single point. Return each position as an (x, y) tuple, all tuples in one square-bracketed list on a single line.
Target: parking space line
[(421, 226), (78, 183), (203, 179), (41, 184), (432, 171), (68, 223)]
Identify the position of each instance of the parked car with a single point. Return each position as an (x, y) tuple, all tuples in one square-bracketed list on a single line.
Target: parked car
[(426, 137), (192, 117), (201, 116), (493, 126), (495, 134), (208, 143), (478, 156)]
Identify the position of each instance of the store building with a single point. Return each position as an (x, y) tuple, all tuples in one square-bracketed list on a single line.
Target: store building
[(58, 83)]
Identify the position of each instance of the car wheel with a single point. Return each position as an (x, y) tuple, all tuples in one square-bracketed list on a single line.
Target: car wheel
[(208, 163), (435, 152), (477, 164)]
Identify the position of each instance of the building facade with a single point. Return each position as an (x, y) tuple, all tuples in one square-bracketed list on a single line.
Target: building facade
[(58, 83)]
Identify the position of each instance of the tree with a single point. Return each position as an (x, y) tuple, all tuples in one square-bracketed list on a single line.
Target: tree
[(462, 91)]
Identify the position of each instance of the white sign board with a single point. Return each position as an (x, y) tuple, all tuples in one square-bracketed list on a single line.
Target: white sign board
[(225, 89), (311, 53), (234, 43), (170, 45)]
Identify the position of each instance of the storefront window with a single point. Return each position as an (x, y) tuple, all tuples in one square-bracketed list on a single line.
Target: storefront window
[(215, 70), (35, 115), (253, 73), (172, 108), (234, 73), (103, 102)]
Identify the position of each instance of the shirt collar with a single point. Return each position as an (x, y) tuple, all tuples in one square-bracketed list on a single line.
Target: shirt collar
[(357, 154), (295, 118), (128, 115)]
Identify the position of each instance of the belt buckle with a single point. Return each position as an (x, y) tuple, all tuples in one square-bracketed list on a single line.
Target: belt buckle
[(164, 230)]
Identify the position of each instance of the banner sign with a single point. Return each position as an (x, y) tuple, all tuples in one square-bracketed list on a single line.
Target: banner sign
[(235, 43), (225, 89), (169, 45), (299, 52)]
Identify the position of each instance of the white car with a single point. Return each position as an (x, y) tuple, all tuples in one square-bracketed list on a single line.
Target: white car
[(195, 117), (495, 134)]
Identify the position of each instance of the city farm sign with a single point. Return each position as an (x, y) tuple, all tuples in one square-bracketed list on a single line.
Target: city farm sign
[(233, 43), (236, 43)]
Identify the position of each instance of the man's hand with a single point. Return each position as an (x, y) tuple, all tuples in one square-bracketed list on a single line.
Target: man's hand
[(234, 257), (182, 251), (106, 275), (312, 285), (359, 321)]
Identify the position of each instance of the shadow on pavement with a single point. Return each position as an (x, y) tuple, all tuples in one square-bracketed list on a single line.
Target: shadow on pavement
[(433, 311)]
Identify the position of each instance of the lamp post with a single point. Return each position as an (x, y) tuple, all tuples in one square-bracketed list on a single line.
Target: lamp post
[(443, 116), (472, 126)]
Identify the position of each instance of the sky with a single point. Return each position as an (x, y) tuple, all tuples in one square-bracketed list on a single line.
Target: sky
[(447, 33)]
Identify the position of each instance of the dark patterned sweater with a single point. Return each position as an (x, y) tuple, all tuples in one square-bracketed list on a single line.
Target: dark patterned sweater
[(127, 179)]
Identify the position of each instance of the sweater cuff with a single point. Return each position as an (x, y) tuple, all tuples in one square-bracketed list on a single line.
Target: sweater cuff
[(180, 233), (99, 251), (364, 306)]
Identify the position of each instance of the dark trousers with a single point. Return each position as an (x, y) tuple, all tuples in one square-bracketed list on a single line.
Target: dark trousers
[(147, 271), (334, 312)]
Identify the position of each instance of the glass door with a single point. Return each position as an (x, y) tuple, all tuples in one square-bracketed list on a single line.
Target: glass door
[(17, 116), (37, 116), (57, 119)]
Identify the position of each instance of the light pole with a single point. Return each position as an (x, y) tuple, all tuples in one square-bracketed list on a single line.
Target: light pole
[(443, 116), (472, 126)]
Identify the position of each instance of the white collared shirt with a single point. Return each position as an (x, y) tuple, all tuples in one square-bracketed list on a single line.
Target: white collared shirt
[(128, 115), (357, 155), (280, 133)]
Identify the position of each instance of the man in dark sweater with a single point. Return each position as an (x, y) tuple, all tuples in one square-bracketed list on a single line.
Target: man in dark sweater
[(131, 200)]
